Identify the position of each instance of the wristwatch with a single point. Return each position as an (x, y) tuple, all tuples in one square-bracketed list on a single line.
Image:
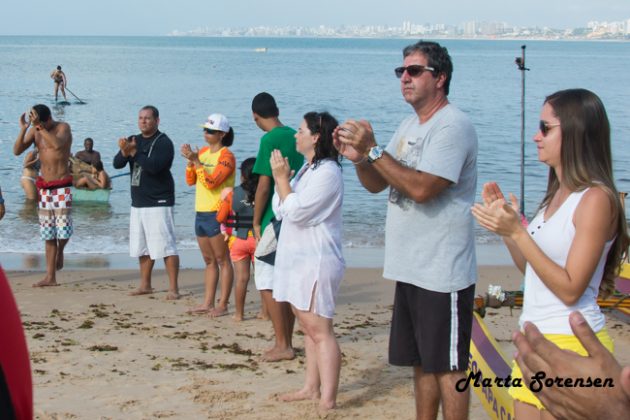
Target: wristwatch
[(375, 153)]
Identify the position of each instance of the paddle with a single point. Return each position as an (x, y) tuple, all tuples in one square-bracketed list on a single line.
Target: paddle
[(119, 175), (75, 95)]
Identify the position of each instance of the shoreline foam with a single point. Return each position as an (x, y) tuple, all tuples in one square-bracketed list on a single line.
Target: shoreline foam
[(487, 254)]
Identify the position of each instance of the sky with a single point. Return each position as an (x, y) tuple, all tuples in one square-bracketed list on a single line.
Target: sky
[(160, 17)]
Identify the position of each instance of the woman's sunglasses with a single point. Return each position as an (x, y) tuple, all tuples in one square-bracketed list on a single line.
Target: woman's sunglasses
[(544, 127), (210, 131), (412, 70)]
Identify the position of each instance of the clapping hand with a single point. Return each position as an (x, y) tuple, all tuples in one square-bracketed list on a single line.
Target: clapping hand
[(189, 154), (344, 149), (491, 193), (495, 214), (127, 147), (353, 139), (279, 165)]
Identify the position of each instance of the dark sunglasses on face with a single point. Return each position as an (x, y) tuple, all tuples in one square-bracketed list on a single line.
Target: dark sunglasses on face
[(544, 127), (210, 131), (412, 70)]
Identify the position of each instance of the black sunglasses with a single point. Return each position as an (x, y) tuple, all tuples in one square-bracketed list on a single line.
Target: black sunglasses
[(412, 70), (210, 131), (544, 127)]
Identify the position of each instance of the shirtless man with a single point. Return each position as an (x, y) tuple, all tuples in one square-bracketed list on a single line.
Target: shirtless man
[(53, 139), (60, 82), (88, 155)]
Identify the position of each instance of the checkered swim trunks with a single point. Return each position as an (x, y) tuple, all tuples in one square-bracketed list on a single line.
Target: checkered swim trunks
[(55, 220)]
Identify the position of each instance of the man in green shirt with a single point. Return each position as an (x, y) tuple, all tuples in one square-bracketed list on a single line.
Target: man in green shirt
[(277, 136)]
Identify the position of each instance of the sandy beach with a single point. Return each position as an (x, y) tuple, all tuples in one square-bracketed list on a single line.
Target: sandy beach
[(98, 353)]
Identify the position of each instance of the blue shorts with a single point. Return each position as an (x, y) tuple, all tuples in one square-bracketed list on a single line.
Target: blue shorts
[(206, 224)]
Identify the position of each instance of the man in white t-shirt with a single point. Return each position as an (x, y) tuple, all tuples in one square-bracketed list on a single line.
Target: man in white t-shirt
[(430, 166)]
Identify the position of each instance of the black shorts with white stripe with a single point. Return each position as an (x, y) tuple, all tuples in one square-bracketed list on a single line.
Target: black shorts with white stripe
[(431, 329)]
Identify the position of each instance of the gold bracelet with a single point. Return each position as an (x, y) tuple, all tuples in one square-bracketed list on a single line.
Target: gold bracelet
[(359, 162)]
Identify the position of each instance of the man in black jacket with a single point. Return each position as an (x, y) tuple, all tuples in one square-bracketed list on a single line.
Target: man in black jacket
[(151, 229)]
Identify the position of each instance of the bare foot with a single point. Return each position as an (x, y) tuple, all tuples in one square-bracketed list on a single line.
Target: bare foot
[(201, 309), (238, 317), (59, 263), (276, 355), (173, 295), (140, 291), (263, 316), (324, 410), (217, 312), (301, 395), (46, 283)]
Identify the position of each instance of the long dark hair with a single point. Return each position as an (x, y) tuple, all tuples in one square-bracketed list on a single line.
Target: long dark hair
[(250, 179), (324, 124), (586, 161), (228, 139)]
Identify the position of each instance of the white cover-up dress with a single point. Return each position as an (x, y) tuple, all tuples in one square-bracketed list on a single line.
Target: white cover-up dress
[(309, 262)]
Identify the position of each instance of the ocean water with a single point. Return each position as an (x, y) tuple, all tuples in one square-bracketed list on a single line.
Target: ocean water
[(189, 78)]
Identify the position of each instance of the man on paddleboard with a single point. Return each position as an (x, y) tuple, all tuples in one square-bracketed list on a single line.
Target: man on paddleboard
[(59, 77)]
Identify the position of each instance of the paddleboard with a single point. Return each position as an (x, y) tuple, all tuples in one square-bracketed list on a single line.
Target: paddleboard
[(487, 363)]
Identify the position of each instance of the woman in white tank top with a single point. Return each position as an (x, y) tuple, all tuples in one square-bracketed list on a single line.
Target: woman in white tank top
[(572, 250)]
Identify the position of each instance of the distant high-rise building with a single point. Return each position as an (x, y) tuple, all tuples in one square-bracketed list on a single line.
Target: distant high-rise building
[(469, 28)]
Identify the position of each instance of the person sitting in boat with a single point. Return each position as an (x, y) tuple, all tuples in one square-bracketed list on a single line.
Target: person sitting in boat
[(88, 154), (98, 179), (30, 172)]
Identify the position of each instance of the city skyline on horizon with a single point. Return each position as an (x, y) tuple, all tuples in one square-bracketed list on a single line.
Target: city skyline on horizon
[(161, 17)]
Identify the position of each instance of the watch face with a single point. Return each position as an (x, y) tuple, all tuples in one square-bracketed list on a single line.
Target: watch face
[(375, 153)]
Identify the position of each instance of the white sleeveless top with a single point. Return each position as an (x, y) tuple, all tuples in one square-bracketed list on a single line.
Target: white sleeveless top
[(540, 305)]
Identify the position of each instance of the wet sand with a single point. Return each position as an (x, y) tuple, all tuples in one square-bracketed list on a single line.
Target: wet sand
[(98, 353)]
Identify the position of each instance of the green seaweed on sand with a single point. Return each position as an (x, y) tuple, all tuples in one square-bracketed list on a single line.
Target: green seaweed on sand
[(88, 323), (102, 347), (235, 366), (67, 342), (233, 348), (100, 313)]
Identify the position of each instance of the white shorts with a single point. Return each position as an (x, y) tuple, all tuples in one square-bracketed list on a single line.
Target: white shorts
[(264, 271), (263, 275), (152, 232)]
